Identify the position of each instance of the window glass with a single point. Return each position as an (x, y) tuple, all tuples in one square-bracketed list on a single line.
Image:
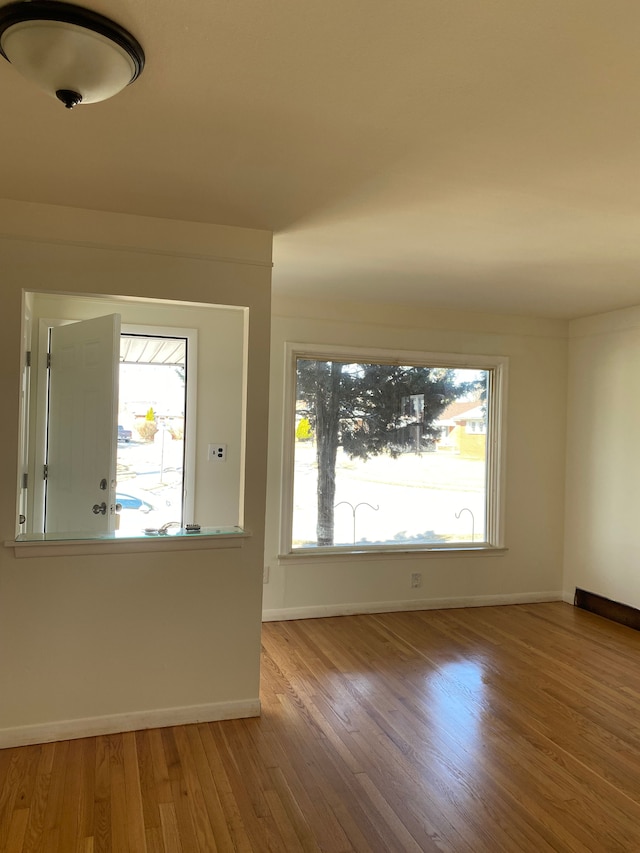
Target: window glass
[(389, 454), (151, 430)]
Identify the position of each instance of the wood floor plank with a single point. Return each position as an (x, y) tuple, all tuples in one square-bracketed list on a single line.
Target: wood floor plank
[(102, 796), (488, 730), (223, 803), (35, 825), (53, 811), (181, 813), (118, 796), (5, 761), (50, 841), (86, 799), (299, 766), (12, 785), (169, 826), (17, 830), (25, 782), (148, 786), (155, 842), (251, 783), (135, 812), (163, 793), (227, 774), (73, 798), (204, 783), (196, 795)]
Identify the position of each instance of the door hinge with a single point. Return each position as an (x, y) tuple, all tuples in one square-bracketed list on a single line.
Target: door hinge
[(25, 478), (48, 360), (27, 360), (45, 472)]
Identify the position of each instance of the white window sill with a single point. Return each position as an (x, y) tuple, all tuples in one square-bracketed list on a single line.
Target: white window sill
[(55, 545), (330, 555)]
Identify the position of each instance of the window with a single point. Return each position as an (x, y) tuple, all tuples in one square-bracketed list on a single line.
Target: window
[(392, 451), (88, 445)]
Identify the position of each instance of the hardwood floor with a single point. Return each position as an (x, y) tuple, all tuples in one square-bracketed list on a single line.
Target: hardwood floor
[(489, 729)]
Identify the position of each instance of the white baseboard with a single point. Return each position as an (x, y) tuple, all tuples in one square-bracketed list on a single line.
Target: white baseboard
[(114, 723), (318, 611)]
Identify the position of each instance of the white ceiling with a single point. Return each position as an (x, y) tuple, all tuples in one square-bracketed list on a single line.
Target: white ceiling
[(480, 154)]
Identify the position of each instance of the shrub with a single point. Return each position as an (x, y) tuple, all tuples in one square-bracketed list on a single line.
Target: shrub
[(303, 430), (146, 429)]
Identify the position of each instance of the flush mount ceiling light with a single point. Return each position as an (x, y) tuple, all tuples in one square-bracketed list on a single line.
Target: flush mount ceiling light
[(74, 54)]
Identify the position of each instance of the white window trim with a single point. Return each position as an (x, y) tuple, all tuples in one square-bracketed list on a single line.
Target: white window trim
[(497, 366), (35, 514)]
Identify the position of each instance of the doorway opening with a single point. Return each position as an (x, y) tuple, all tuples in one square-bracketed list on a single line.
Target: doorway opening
[(152, 423), (139, 413)]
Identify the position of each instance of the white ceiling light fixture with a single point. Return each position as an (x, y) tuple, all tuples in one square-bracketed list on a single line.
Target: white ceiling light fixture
[(74, 54)]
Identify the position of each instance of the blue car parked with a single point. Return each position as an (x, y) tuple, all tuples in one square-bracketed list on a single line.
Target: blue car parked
[(132, 502)]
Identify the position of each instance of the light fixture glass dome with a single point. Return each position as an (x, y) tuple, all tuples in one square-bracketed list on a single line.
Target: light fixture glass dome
[(71, 53)]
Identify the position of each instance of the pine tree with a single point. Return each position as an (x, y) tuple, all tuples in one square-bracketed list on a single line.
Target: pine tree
[(368, 409)]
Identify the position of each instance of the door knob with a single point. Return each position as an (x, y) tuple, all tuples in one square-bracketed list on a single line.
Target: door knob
[(100, 509)]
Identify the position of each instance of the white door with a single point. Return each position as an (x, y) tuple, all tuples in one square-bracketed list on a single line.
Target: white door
[(82, 428)]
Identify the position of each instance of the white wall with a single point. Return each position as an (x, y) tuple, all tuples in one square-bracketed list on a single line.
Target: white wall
[(603, 458), (532, 567), (100, 642)]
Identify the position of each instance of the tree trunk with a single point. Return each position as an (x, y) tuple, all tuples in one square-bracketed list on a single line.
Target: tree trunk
[(327, 435)]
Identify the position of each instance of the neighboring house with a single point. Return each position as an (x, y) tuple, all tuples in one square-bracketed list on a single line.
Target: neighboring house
[(463, 429)]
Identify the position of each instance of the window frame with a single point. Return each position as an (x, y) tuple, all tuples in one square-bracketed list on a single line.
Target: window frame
[(496, 440)]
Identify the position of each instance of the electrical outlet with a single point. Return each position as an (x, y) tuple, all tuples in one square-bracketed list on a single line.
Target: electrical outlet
[(265, 574), (217, 453), (416, 580)]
